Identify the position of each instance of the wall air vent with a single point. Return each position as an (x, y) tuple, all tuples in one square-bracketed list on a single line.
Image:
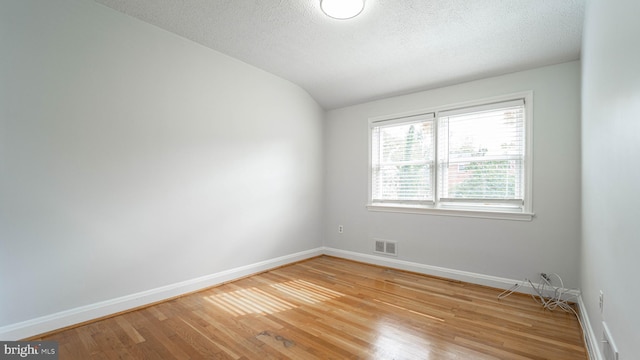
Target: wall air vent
[(390, 248), (386, 247)]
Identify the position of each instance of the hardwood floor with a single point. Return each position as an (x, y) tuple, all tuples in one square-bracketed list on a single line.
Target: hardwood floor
[(329, 308)]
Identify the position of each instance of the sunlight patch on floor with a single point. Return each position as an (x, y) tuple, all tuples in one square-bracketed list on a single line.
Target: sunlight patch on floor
[(306, 291), (257, 301), (249, 301)]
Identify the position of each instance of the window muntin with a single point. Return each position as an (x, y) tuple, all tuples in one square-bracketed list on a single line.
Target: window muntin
[(471, 158)]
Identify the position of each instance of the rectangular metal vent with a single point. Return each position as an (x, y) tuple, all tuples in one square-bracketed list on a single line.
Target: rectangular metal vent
[(390, 248), (386, 247)]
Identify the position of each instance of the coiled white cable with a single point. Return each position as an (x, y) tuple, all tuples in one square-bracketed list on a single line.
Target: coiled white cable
[(559, 299)]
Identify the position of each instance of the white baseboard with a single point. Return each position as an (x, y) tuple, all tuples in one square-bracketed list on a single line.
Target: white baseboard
[(82, 314), (590, 336), (466, 276)]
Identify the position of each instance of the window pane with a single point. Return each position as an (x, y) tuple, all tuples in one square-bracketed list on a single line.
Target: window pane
[(492, 179), (409, 182), (481, 154), (402, 160)]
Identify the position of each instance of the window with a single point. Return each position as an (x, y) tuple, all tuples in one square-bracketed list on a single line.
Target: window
[(469, 160), (403, 160)]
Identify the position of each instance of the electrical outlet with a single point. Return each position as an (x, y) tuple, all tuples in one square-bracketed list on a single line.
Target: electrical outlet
[(340, 229), (546, 277), (601, 302)]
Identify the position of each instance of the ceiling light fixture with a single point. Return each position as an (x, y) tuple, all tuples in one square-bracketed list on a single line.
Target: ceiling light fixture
[(342, 9)]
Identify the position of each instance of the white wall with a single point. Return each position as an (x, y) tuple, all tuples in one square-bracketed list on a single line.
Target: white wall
[(131, 158), (611, 171), (500, 248)]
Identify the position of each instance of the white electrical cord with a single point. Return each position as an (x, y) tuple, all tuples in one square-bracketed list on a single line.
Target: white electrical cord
[(559, 299)]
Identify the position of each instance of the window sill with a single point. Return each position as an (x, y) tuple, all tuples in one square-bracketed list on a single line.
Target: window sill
[(480, 213)]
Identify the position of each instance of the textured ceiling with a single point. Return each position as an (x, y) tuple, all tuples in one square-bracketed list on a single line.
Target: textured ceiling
[(394, 47)]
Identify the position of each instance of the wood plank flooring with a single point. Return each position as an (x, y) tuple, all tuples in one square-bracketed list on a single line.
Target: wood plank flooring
[(329, 308)]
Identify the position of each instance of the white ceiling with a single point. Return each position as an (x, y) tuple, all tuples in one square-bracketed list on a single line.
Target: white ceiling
[(394, 47)]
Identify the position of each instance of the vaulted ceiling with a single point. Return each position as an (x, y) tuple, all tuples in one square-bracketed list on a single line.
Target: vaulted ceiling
[(392, 48)]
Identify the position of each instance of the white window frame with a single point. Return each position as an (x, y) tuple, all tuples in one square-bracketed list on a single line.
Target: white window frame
[(468, 209)]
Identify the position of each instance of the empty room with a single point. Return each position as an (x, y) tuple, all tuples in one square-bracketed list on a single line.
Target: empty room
[(319, 179)]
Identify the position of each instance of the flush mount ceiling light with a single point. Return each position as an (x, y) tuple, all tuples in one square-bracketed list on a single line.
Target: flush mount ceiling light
[(342, 9)]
